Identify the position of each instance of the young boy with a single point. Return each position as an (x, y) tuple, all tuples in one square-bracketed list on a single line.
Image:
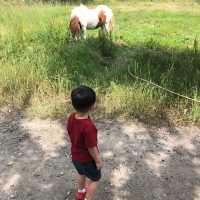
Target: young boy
[(84, 145)]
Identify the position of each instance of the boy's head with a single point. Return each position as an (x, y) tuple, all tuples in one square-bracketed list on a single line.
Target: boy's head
[(83, 98)]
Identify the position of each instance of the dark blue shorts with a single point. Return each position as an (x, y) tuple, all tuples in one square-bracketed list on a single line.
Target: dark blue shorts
[(88, 169)]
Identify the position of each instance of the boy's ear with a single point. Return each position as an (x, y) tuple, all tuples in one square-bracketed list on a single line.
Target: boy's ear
[(93, 107)]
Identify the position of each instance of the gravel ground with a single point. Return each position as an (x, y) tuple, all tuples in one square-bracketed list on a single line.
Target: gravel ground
[(141, 162)]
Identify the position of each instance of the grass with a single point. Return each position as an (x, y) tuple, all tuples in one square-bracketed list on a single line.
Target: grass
[(39, 65)]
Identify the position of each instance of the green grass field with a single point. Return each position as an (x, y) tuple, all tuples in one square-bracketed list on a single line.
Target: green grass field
[(159, 41)]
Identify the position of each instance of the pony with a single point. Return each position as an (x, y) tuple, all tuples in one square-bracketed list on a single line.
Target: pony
[(83, 18)]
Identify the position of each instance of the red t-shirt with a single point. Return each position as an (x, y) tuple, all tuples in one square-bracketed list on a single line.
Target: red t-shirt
[(83, 135)]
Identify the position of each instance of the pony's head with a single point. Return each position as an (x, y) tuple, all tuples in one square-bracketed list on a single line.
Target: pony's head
[(102, 18), (105, 18), (75, 27)]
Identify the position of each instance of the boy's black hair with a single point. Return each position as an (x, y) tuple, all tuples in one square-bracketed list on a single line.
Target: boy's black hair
[(83, 98)]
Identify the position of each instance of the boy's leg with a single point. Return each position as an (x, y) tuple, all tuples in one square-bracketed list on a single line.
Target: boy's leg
[(93, 177), (80, 194), (91, 189), (87, 182), (81, 182)]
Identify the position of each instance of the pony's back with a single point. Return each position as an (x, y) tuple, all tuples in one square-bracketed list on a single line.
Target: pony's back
[(78, 11)]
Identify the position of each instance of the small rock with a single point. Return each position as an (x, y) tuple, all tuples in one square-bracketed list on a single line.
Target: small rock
[(107, 190), (24, 169), (20, 154), (60, 174), (67, 195), (67, 155), (36, 174), (10, 163), (164, 195), (188, 184), (178, 150), (13, 196)]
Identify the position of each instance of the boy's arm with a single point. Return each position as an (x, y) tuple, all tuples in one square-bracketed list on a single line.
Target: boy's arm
[(96, 156)]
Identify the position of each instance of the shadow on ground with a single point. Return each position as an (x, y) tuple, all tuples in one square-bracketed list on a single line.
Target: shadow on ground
[(33, 166), (140, 161), (153, 163)]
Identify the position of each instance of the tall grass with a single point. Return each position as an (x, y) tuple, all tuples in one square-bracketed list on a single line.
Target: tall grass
[(39, 64)]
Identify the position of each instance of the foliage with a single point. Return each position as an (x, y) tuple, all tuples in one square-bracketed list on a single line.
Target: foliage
[(40, 64)]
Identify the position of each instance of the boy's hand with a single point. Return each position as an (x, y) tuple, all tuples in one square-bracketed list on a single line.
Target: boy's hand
[(96, 156), (99, 164)]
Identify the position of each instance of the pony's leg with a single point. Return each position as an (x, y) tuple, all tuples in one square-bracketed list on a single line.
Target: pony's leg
[(80, 35), (83, 32), (74, 36), (107, 28), (104, 31)]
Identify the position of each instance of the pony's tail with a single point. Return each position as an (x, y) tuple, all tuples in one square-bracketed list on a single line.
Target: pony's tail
[(75, 26)]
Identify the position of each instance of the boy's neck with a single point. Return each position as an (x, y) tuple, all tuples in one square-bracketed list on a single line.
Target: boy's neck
[(79, 115)]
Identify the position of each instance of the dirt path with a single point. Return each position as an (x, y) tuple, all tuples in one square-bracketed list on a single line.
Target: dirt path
[(141, 163)]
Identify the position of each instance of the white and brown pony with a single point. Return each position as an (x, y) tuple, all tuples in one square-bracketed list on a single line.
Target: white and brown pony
[(83, 18)]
